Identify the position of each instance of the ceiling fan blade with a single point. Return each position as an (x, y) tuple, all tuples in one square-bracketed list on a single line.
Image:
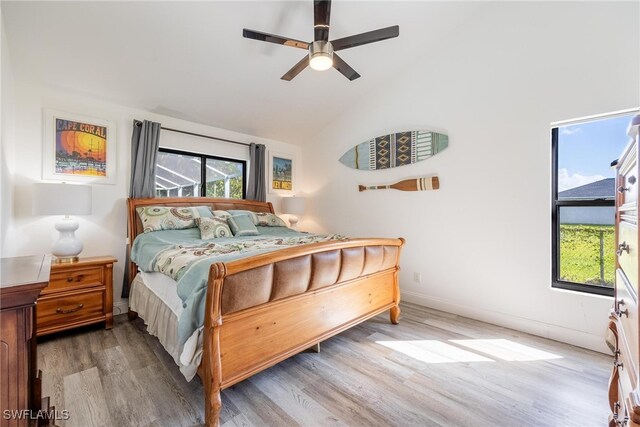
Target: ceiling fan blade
[(296, 69), (364, 38), (271, 38), (321, 16), (344, 68)]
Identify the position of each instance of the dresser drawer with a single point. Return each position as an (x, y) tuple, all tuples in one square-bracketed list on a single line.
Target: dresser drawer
[(68, 310), (627, 390), (619, 410), (627, 191), (74, 279), (628, 251), (627, 312)]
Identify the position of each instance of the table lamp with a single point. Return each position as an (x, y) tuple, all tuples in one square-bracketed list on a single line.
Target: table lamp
[(63, 199), (293, 206)]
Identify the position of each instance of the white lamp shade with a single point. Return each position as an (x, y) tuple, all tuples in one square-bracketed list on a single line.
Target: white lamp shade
[(61, 199), (293, 205)]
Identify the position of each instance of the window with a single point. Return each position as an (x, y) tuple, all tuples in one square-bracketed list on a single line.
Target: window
[(183, 174), (583, 203)]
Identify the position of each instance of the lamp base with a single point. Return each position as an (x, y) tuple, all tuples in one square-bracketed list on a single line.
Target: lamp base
[(66, 260), (67, 248), (293, 221)]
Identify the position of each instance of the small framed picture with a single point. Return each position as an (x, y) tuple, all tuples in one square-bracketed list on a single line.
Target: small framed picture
[(281, 173), (78, 148)]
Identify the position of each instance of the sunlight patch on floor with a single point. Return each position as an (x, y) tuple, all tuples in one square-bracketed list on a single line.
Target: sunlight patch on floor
[(432, 351), (506, 350)]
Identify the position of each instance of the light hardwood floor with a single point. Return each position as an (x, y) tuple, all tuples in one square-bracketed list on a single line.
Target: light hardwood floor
[(433, 369)]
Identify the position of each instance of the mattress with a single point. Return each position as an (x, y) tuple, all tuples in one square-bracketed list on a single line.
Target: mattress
[(155, 298)]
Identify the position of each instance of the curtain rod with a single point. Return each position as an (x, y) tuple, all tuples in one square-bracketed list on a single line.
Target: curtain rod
[(138, 123)]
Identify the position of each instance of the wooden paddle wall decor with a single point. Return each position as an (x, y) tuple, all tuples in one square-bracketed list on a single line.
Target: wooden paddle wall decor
[(414, 184)]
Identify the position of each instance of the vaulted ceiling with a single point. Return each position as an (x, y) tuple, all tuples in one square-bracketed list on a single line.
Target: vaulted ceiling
[(189, 60)]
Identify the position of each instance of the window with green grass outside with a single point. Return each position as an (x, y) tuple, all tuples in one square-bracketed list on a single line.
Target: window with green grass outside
[(583, 202)]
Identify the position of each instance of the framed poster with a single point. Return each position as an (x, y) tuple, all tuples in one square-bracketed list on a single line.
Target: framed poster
[(281, 173), (78, 148)]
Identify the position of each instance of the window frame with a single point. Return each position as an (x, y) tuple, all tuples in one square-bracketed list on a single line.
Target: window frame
[(203, 168), (556, 204)]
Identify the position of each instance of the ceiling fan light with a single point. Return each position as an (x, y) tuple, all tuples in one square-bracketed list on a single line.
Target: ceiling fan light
[(320, 55), (321, 62)]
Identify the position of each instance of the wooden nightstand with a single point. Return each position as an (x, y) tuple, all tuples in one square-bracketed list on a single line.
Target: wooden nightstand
[(79, 293)]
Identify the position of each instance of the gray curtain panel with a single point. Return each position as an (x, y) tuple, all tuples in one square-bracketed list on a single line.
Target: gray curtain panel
[(257, 189), (145, 141), (144, 152)]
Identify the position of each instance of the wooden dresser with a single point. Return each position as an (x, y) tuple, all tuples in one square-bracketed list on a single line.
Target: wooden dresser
[(79, 293), (21, 281), (624, 387)]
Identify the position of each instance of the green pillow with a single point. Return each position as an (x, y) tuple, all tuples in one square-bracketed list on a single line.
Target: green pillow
[(213, 228), (242, 225), (251, 214)]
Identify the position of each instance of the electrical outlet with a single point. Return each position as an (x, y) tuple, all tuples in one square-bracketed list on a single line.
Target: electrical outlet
[(417, 277)]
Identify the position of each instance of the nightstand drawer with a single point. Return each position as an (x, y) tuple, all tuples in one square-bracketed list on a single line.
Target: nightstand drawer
[(79, 293), (73, 279), (69, 310)]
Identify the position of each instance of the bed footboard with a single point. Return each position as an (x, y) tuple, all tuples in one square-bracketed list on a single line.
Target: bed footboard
[(264, 309)]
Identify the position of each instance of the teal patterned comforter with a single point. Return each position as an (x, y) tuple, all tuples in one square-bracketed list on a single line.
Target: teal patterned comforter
[(183, 256)]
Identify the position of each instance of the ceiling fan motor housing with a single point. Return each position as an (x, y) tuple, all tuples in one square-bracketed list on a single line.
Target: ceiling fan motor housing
[(320, 55)]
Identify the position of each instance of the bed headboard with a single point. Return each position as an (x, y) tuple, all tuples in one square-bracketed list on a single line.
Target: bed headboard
[(134, 225)]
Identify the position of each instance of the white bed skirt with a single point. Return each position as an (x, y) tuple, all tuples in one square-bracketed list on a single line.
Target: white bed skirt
[(154, 297)]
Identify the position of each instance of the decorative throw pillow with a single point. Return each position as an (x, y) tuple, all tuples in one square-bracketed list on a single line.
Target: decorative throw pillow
[(242, 225), (267, 219), (221, 214), (213, 228), (251, 214), (155, 218), (203, 211)]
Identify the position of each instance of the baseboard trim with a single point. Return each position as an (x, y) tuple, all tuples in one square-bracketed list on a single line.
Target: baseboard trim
[(530, 326)]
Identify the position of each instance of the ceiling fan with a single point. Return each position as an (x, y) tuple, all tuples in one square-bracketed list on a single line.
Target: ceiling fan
[(322, 54)]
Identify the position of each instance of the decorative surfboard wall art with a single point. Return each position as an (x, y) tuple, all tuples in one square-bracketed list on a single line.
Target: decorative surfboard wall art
[(396, 149), (414, 184)]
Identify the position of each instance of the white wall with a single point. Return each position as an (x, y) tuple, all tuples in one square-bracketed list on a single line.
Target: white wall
[(103, 232), (6, 133), (482, 242)]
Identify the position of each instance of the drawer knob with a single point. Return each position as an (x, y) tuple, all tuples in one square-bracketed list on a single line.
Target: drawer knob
[(69, 310), (622, 247)]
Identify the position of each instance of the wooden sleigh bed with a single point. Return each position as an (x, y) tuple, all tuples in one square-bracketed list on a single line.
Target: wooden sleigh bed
[(263, 309)]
